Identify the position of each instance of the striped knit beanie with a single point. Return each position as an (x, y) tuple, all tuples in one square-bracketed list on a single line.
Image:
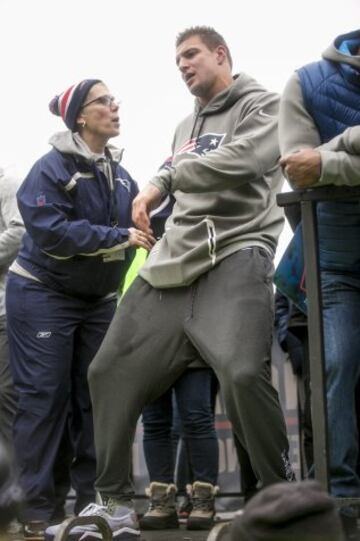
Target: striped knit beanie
[(68, 104)]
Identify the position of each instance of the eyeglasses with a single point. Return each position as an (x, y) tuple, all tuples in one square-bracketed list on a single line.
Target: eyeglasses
[(106, 100)]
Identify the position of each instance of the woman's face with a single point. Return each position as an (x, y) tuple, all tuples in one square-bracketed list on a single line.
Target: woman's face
[(99, 115)]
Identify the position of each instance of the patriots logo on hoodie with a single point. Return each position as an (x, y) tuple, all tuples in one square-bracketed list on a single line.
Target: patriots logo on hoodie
[(167, 163), (201, 145)]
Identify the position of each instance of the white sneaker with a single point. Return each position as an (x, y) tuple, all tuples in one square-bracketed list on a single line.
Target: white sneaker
[(121, 519)]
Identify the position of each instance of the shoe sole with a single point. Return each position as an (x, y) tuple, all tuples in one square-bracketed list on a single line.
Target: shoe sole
[(168, 523), (124, 534), (199, 524)]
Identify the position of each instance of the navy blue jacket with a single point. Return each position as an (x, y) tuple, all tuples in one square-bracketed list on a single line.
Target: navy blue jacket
[(74, 224), (331, 93)]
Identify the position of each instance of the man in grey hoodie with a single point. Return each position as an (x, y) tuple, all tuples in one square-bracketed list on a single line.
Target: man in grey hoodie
[(206, 287), (11, 232)]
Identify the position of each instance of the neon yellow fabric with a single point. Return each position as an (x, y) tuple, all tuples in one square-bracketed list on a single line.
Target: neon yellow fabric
[(139, 260)]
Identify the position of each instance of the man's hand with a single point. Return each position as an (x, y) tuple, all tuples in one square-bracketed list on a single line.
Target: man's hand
[(140, 239), (144, 202), (303, 168)]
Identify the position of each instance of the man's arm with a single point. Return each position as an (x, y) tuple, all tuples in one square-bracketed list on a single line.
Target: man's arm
[(252, 152), (305, 161), (148, 199)]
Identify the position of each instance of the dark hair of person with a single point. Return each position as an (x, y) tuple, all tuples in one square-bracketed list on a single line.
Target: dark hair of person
[(208, 36)]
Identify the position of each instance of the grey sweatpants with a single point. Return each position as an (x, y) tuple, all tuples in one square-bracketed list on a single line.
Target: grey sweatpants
[(227, 316), (8, 396)]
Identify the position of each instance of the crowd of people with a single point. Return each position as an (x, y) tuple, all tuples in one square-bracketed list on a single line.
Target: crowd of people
[(79, 368)]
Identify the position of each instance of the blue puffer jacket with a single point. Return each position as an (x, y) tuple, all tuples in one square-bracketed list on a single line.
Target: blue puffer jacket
[(331, 93), (75, 223)]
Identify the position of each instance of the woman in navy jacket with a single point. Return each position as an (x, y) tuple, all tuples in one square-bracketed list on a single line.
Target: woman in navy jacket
[(61, 292)]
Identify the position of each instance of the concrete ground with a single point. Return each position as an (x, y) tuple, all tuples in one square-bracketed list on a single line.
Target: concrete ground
[(180, 534)]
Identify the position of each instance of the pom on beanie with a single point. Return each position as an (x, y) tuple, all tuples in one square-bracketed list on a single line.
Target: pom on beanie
[(69, 103)]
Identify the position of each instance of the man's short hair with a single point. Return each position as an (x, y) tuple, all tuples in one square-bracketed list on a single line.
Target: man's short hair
[(208, 35)]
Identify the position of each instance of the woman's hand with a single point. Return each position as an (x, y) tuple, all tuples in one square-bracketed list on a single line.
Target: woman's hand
[(141, 239)]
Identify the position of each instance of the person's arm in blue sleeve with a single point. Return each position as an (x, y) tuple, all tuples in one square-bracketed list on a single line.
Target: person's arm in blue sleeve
[(48, 213), (282, 310)]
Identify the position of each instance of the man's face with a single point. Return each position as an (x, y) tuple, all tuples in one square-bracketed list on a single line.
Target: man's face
[(199, 67)]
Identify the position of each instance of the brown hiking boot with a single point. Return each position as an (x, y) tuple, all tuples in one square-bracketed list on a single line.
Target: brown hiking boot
[(161, 514), (203, 511)]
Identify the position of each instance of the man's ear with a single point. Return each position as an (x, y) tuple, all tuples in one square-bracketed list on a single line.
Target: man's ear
[(220, 54)]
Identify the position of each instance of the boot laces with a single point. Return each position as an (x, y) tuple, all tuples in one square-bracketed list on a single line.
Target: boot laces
[(158, 503), (203, 504)]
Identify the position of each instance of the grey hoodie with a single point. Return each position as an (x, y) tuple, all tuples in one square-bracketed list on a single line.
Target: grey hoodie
[(224, 177), (11, 228), (68, 142)]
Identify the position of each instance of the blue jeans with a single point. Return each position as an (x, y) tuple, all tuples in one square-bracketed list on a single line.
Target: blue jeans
[(194, 400), (341, 315)]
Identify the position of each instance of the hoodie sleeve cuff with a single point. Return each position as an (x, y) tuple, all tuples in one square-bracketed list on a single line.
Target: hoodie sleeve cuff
[(329, 169)]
